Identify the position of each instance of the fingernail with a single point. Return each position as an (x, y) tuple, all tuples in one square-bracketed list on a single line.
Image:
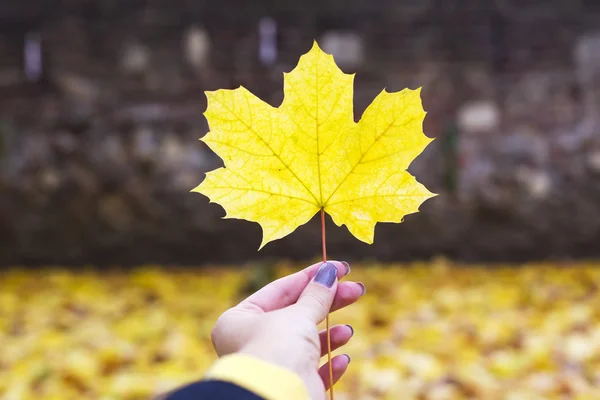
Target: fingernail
[(348, 357), (362, 286), (351, 329), (326, 274), (345, 264)]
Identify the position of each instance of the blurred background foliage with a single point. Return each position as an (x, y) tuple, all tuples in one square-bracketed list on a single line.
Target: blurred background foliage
[(100, 110), (101, 107)]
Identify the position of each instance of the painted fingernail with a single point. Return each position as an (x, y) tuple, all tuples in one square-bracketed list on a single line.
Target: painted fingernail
[(326, 274), (362, 286), (348, 357), (345, 264), (351, 330)]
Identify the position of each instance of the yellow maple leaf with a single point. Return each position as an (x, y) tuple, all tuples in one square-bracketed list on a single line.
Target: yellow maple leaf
[(285, 164)]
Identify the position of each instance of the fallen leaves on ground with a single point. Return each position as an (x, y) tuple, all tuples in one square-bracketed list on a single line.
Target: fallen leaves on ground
[(423, 332)]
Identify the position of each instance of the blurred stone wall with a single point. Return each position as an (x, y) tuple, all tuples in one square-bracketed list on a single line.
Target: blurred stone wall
[(99, 150)]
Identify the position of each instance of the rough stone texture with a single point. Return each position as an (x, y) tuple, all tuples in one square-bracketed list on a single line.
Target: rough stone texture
[(97, 159)]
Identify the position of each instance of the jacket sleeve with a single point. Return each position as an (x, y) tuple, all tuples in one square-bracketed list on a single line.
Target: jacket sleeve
[(213, 390), (243, 377)]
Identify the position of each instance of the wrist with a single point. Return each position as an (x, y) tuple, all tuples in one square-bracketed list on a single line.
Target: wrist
[(271, 352)]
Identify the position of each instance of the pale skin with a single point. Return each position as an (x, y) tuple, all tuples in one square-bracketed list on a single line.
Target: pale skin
[(278, 324)]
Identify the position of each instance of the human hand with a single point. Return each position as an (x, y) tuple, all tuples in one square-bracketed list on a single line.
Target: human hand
[(278, 324)]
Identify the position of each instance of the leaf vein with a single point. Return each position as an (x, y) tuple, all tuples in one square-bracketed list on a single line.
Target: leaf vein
[(251, 129)]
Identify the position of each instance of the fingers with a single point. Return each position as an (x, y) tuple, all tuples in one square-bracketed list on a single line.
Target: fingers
[(347, 293), (286, 291), (316, 300), (339, 365), (340, 335)]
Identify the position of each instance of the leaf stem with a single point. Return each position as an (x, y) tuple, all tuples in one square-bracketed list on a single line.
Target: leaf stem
[(323, 242), (324, 245)]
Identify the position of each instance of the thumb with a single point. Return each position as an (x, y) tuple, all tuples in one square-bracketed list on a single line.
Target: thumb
[(316, 299)]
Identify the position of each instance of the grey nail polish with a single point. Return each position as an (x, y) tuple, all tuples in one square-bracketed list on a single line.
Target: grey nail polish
[(345, 264), (362, 286), (351, 329), (326, 274)]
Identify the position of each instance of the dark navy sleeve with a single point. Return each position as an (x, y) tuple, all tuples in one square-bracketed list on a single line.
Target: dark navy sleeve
[(212, 389)]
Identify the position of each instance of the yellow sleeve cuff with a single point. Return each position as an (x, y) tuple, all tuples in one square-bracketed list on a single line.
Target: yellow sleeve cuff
[(260, 377)]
